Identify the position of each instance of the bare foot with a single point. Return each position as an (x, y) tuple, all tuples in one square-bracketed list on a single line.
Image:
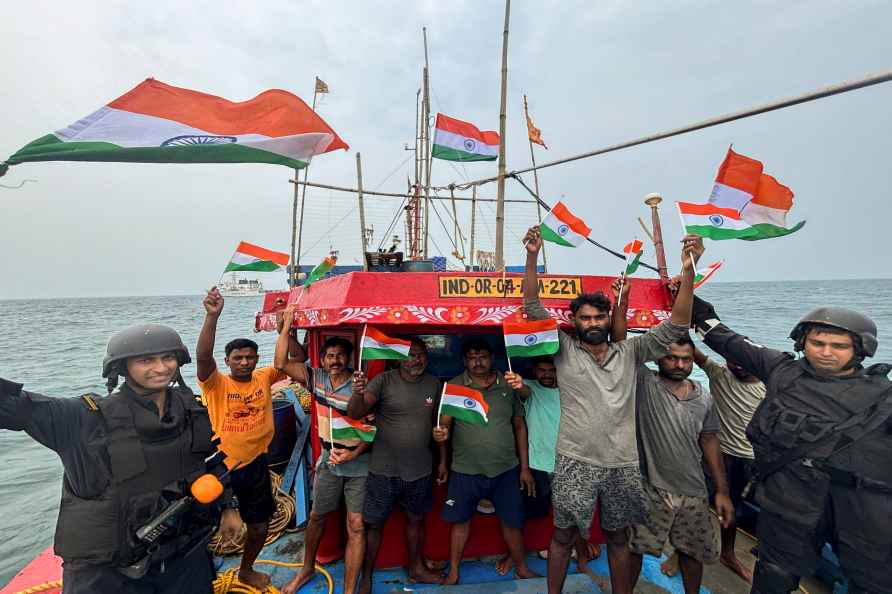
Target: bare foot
[(435, 565), (423, 575), (504, 565), (451, 579), (734, 564), (525, 573), (669, 567), (594, 551), (254, 579), (298, 581)]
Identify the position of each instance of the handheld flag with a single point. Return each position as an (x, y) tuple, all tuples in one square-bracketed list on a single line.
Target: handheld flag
[(343, 428), (758, 198), (562, 227), (377, 345), (701, 277), (531, 338), (253, 258), (321, 270), (158, 123), (464, 404), (633, 251), (455, 140)]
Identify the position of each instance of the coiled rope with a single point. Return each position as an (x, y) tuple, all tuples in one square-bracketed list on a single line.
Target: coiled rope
[(278, 524)]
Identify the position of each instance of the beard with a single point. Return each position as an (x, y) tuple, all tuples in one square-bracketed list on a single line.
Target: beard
[(593, 335), (675, 374)]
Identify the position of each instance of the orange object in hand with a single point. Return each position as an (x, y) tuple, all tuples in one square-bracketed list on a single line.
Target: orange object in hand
[(207, 488)]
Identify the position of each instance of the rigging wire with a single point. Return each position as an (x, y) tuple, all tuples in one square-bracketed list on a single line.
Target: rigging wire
[(396, 215), (442, 224)]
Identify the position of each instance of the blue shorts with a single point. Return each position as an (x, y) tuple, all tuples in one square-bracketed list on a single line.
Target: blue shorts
[(466, 490)]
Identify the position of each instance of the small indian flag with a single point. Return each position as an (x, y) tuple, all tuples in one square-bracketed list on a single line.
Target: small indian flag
[(713, 222), (531, 338), (343, 428), (158, 123), (633, 251), (455, 140), (704, 275), (464, 404), (563, 228), (321, 270), (377, 345), (253, 258)]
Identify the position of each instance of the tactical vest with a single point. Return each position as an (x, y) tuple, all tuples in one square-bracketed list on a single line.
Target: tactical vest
[(144, 476)]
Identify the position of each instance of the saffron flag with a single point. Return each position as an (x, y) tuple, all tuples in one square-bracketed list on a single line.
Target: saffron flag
[(531, 338), (464, 404), (253, 258), (321, 86), (761, 201), (563, 227), (377, 345), (320, 270), (158, 123), (455, 140), (534, 133), (343, 427), (633, 251), (704, 275)]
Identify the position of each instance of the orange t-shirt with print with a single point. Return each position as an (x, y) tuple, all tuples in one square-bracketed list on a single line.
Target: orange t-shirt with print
[(241, 413)]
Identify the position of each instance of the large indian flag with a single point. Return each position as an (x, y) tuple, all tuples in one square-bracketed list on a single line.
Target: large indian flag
[(531, 338), (159, 123), (563, 227), (455, 140), (464, 404), (377, 345), (253, 258)]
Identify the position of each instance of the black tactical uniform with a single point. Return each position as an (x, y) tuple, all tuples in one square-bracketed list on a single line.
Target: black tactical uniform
[(124, 463), (823, 450)]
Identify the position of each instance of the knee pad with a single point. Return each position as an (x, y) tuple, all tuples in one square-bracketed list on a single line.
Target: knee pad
[(773, 579)]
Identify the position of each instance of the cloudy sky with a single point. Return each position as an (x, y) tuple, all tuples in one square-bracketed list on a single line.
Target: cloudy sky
[(596, 73)]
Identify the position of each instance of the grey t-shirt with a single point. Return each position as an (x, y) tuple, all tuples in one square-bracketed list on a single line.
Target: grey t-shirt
[(404, 418), (669, 431), (598, 400), (735, 403)]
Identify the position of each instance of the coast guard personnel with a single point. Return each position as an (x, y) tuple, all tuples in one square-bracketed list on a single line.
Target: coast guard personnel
[(127, 457)]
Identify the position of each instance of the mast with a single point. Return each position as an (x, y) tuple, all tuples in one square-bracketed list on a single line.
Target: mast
[(473, 221), (653, 200), (500, 204), (362, 231), (427, 145), (297, 227), (526, 113)]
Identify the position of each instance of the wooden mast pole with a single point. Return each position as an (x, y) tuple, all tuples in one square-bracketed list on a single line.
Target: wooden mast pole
[(297, 228), (427, 145), (526, 113), (473, 222), (500, 198), (653, 201), (365, 264)]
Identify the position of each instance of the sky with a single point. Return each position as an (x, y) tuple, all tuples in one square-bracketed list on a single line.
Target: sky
[(596, 73)]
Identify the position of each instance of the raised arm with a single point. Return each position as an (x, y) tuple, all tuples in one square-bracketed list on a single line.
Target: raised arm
[(204, 351), (531, 305), (700, 358), (517, 384), (619, 321), (53, 422), (293, 368), (692, 247)]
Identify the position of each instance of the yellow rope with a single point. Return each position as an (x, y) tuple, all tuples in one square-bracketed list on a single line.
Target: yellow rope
[(41, 587)]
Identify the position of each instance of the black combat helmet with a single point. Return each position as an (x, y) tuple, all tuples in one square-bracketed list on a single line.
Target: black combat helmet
[(862, 327), (139, 340)]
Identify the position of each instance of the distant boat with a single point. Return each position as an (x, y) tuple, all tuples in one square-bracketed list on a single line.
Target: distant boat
[(235, 286)]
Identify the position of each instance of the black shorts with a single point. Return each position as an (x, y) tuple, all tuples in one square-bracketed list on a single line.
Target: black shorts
[(738, 472), (254, 490), (466, 490), (538, 506), (382, 492)]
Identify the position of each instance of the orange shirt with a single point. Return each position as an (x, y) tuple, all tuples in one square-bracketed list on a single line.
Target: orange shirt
[(241, 413)]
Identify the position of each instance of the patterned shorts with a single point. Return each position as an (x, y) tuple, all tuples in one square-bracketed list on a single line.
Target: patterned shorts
[(685, 521), (578, 486)]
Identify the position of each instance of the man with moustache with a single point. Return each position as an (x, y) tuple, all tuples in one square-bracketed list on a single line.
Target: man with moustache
[(401, 462), (677, 431), (343, 464), (597, 453)]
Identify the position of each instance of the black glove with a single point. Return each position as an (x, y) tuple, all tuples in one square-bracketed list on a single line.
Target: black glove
[(701, 311)]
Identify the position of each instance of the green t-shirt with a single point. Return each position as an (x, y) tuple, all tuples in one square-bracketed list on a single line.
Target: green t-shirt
[(543, 412), (487, 449)]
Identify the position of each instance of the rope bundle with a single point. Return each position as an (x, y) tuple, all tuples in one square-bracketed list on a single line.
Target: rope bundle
[(277, 525)]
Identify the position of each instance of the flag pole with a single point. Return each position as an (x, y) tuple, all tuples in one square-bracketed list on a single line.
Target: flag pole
[(440, 406), (297, 229), (507, 356), (361, 342), (526, 113), (684, 231), (500, 194)]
